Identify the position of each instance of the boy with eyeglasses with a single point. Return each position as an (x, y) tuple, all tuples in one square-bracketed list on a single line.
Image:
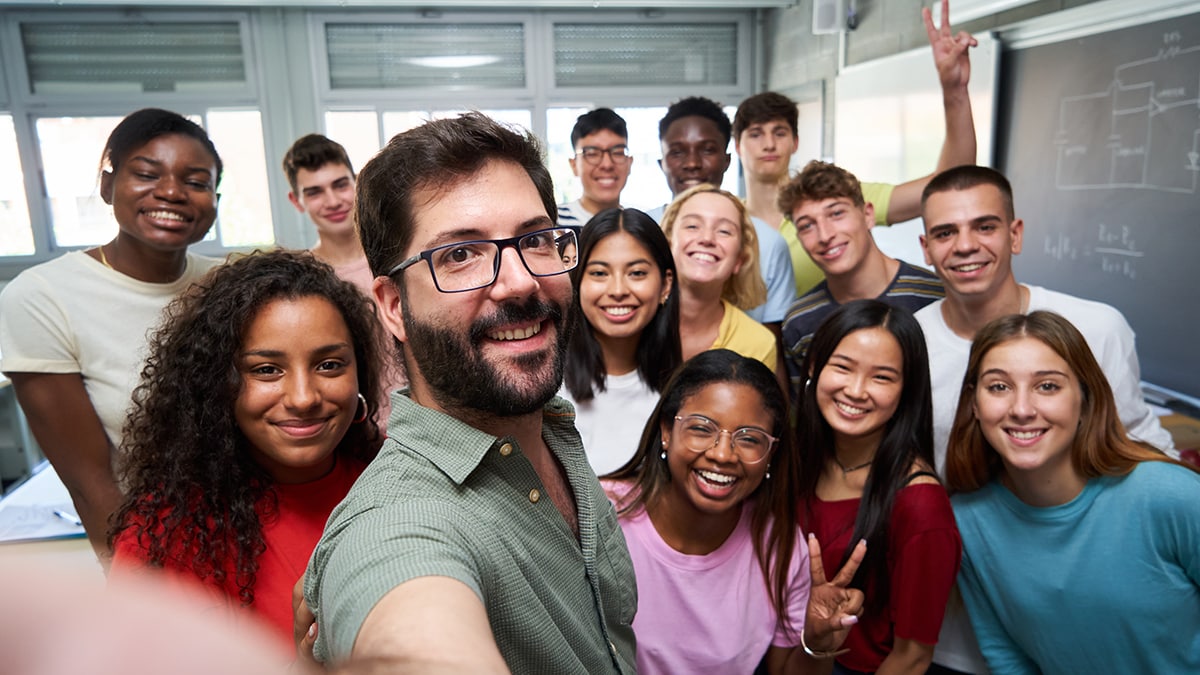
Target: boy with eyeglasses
[(602, 162)]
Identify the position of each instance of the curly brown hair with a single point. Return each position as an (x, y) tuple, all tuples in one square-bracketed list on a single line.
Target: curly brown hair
[(191, 483)]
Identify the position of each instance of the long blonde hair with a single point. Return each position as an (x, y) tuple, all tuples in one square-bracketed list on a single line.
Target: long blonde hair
[(746, 289), (1100, 447)]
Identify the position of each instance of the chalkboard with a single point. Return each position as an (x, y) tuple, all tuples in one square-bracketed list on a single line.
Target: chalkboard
[(1100, 137)]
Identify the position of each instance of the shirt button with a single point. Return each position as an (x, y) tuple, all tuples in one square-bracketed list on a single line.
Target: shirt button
[(534, 495), (506, 450)]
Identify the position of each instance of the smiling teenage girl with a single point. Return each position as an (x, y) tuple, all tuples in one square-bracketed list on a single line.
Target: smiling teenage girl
[(73, 330), (254, 416), (716, 254), (1081, 547), (627, 344), (708, 510), (865, 436)]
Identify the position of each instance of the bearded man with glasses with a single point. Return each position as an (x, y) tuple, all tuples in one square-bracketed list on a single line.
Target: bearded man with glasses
[(479, 539)]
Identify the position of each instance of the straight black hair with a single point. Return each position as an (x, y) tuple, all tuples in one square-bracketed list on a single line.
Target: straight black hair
[(658, 351), (907, 439)]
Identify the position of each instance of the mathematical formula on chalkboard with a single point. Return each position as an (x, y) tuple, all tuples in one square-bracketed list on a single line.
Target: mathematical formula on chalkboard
[(1114, 250), (1153, 138)]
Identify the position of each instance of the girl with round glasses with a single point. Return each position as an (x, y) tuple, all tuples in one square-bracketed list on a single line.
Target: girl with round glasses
[(626, 344), (707, 506), (866, 474)]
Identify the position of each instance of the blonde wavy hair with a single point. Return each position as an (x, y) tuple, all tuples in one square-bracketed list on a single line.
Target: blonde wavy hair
[(745, 289)]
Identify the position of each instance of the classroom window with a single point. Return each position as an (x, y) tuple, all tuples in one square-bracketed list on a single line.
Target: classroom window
[(16, 235), (245, 207), (357, 131), (70, 151)]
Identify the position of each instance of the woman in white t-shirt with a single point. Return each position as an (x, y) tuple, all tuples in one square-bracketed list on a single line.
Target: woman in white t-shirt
[(627, 342), (73, 330)]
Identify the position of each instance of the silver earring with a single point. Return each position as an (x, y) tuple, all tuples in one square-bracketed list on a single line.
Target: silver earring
[(664, 455), (362, 400), (768, 476)]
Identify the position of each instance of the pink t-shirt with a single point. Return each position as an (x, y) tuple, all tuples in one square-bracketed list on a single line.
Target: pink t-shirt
[(708, 613)]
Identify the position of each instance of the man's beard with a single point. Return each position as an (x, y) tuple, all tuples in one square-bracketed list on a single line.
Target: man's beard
[(460, 377)]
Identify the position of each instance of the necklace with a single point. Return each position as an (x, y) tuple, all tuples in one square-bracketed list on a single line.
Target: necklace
[(104, 258), (846, 470)]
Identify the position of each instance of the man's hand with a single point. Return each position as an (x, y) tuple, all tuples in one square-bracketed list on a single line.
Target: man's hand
[(949, 50)]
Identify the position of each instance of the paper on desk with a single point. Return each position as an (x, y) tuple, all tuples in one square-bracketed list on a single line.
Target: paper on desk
[(26, 523)]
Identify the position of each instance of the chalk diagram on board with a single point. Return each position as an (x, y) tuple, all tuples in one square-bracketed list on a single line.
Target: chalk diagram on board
[(1141, 132), (1152, 137)]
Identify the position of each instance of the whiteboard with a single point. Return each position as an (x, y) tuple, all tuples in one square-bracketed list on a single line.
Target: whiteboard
[(889, 124)]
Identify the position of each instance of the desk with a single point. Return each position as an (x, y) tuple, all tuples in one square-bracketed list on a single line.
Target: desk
[(58, 543)]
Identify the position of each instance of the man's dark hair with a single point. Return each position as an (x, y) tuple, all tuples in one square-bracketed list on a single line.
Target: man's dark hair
[(764, 107), (966, 177), (435, 156), (312, 152), (597, 120), (696, 106)]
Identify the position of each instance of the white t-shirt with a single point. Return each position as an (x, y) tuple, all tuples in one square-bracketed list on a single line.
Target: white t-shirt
[(74, 315), (611, 423)]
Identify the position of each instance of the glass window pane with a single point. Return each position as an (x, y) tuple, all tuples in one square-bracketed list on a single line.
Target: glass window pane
[(16, 235), (357, 131), (245, 206), (70, 151)]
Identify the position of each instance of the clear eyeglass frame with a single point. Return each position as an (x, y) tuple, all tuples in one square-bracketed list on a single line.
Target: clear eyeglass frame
[(766, 440)]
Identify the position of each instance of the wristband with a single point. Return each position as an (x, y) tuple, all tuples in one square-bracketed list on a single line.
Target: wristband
[(818, 654)]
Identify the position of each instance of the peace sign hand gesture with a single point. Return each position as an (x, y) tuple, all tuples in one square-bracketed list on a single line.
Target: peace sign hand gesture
[(833, 607), (949, 49)]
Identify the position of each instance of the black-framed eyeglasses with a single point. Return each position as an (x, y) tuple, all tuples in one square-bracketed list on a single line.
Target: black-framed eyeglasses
[(470, 265), (700, 434), (619, 154)]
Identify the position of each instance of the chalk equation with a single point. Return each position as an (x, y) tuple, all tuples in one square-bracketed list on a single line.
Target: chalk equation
[(1115, 250), (1151, 137)]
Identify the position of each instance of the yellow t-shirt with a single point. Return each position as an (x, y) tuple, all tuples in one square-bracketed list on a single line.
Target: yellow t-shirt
[(740, 333)]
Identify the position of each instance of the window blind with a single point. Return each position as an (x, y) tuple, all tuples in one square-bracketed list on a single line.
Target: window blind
[(613, 54), (426, 56), (144, 57)]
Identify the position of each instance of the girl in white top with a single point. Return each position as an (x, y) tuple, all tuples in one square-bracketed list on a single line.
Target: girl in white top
[(73, 330), (627, 344)]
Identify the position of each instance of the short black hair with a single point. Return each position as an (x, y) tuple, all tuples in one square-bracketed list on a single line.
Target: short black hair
[(142, 126), (966, 177), (697, 106), (596, 120)]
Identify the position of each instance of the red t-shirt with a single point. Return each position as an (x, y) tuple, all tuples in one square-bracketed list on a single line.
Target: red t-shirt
[(924, 551), (290, 534)]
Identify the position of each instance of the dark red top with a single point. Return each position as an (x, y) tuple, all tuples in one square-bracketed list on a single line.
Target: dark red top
[(924, 550)]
